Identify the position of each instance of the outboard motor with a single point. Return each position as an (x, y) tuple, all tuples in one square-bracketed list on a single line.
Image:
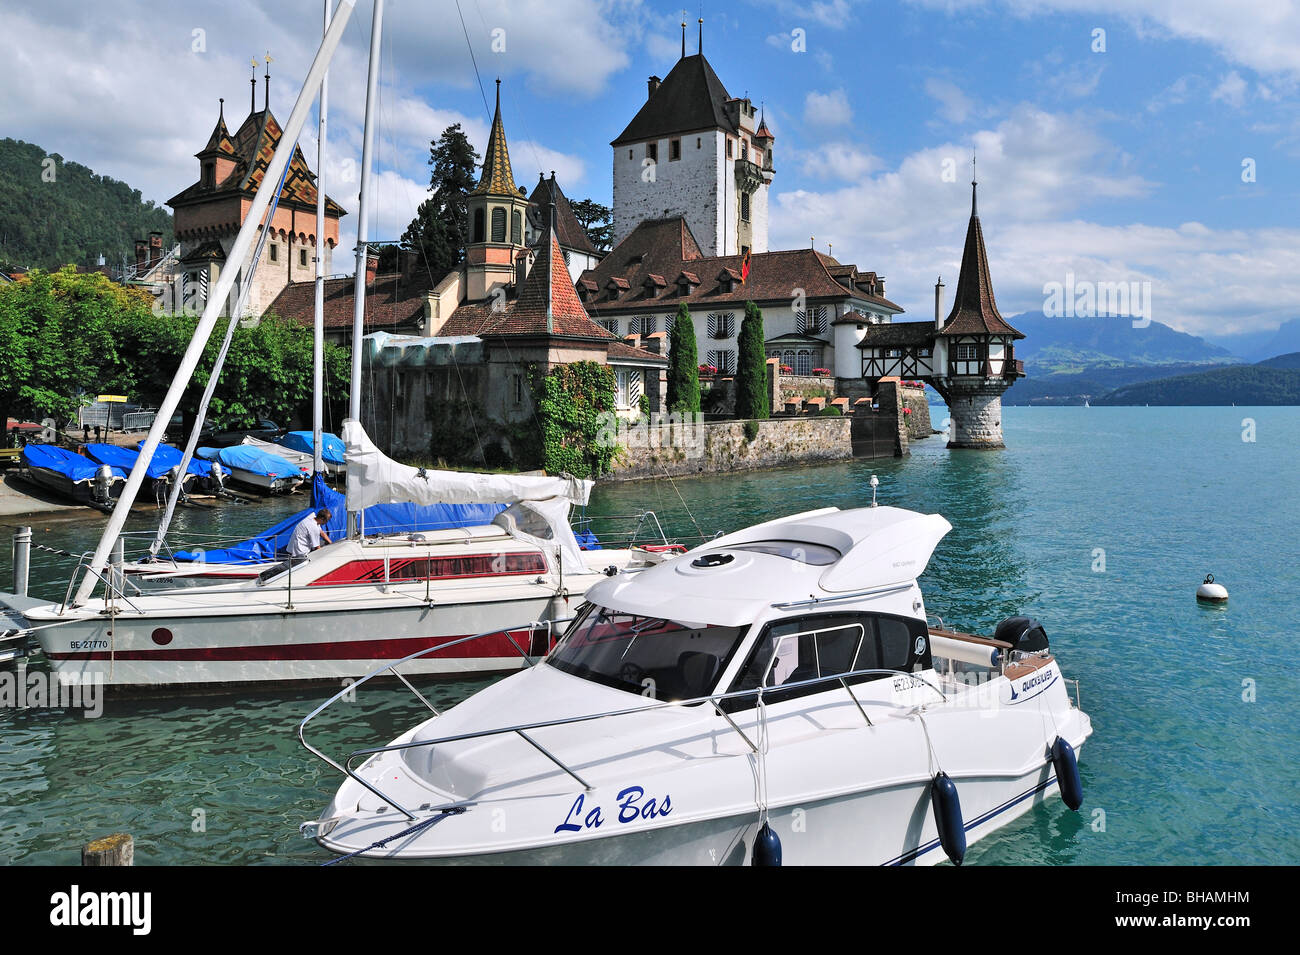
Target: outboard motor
[(1025, 634), (101, 491), (214, 476)]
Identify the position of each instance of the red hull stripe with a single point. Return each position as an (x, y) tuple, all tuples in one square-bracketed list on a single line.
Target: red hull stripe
[(496, 645)]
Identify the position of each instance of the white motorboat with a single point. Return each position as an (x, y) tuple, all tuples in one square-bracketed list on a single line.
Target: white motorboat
[(350, 606), (774, 693)]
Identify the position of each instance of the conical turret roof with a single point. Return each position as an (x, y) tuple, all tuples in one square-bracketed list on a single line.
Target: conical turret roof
[(497, 179), (974, 310)]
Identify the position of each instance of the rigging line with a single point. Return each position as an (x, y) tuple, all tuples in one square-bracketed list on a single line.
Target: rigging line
[(474, 61)]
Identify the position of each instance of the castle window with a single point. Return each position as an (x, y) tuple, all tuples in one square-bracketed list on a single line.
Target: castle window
[(275, 252), (478, 225), (609, 324), (516, 228), (498, 224), (744, 149), (629, 154), (652, 152), (728, 148), (803, 362), (674, 149), (967, 353), (209, 175), (721, 325), (302, 257), (517, 383), (744, 207), (811, 321), (697, 142), (642, 325), (724, 361)]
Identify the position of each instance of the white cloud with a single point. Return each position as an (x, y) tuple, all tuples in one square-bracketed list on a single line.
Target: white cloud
[(837, 161), (1038, 171), (827, 109), (1264, 36), (955, 105), (1231, 90)]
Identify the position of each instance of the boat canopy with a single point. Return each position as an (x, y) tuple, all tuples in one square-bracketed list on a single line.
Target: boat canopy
[(62, 461), (539, 510), (248, 458), (303, 460), (160, 465), (333, 449)]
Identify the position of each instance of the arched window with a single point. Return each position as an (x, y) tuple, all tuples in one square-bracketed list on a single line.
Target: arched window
[(498, 224), (478, 225), (803, 362), (517, 228), (787, 359)]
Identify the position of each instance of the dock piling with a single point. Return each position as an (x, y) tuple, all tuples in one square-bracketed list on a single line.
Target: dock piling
[(117, 849), (22, 559)]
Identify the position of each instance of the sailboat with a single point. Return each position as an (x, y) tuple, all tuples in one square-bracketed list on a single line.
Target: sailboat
[(361, 601)]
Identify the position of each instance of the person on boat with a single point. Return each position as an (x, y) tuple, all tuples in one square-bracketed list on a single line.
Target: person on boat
[(309, 533)]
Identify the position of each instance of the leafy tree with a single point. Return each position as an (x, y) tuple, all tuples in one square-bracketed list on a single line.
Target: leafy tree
[(64, 335), (597, 221), (53, 211), (440, 229), (683, 364), (752, 399)]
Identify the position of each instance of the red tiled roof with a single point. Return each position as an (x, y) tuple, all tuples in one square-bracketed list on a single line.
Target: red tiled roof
[(393, 301), (667, 247), (974, 310)]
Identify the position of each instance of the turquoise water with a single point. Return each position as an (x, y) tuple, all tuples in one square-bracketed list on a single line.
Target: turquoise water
[(1099, 521)]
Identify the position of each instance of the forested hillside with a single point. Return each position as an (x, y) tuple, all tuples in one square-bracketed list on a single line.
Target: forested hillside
[(72, 219)]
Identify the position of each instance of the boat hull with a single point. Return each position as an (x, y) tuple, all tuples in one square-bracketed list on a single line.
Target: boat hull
[(283, 645), (81, 492)]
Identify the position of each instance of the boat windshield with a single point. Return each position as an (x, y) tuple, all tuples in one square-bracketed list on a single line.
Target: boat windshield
[(649, 656)]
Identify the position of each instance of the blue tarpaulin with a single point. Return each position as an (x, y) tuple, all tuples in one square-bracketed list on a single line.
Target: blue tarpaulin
[(301, 441), (63, 461), (248, 458), (169, 457), (379, 519), (125, 458)]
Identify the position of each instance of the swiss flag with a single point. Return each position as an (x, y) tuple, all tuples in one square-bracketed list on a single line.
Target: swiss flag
[(744, 267)]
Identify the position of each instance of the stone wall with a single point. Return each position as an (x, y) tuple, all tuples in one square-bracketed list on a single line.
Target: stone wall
[(722, 446), (917, 418), (976, 416)]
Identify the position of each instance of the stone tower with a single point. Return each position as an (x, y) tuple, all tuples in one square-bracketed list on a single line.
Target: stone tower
[(498, 212), (974, 351), (695, 151)]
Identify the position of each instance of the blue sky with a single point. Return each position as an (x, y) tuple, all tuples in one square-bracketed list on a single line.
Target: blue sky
[(1123, 165)]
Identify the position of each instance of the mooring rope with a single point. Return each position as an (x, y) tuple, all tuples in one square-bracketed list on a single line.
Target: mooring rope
[(418, 827)]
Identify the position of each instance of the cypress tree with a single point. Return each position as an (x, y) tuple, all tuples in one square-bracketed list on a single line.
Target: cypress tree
[(752, 400), (683, 364)]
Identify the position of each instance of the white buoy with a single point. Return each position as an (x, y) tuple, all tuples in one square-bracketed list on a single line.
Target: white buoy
[(1212, 592)]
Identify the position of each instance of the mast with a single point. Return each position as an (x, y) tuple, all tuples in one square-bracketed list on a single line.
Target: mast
[(318, 315), (212, 309), (363, 231)]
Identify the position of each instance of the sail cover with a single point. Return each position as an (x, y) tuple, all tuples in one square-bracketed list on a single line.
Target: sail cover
[(375, 478), (539, 510)]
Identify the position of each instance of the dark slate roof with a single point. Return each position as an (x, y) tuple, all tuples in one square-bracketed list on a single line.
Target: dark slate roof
[(896, 334), (251, 149), (974, 311), (691, 97), (394, 301), (663, 247), (572, 234)]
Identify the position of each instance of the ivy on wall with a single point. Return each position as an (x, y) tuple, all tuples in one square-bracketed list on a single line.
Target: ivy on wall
[(574, 403)]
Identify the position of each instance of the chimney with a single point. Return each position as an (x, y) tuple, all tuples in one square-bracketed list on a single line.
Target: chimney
[(652, 84), (938, 303), (155, 248), (372, 266), (141, 255)]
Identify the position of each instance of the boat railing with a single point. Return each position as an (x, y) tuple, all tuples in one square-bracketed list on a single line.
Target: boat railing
[(521, 729)]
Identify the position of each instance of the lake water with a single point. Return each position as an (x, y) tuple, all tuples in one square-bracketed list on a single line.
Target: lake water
[(1100, 522)]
